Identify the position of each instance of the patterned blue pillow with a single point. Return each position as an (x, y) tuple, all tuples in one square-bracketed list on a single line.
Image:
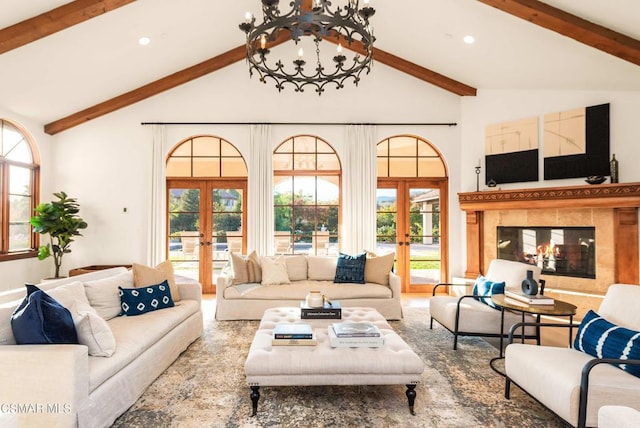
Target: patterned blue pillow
[(484, 287), (137, 301), (598, 337), (350, 268)]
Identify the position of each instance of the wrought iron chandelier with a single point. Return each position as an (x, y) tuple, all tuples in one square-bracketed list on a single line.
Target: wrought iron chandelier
[(345, 26)]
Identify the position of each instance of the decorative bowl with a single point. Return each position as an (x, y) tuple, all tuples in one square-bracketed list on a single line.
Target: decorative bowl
[(595, 179)]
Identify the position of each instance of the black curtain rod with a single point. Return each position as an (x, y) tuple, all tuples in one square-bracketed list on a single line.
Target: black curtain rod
[(303, 123)]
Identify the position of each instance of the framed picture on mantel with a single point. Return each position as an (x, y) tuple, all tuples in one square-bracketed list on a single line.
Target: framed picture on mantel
[(511, 151), (576, 143)]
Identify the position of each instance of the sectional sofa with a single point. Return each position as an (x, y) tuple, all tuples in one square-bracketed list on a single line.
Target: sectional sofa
[(250, 286), (64, 386)]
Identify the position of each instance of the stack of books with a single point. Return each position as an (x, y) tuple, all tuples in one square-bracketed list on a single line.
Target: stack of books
[(285, 334), (331, 310), (518, 298), (362, 334)]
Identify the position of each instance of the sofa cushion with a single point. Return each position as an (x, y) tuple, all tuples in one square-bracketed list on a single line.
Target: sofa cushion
[(134, 335), (298, 290), (321, 268), (69, 293), (598, 337), (274, 271), (138, 301), (245, 269), (41, 319), (377, 267), (93, 331), (6, 310), (350, 268), (483, 289), (144, 276), (296, 267), (103, 294)]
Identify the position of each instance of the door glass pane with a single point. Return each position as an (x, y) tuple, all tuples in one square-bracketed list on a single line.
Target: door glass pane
[(386, 219), (424, 224), (19, 226), (184, 233), (227, 228)]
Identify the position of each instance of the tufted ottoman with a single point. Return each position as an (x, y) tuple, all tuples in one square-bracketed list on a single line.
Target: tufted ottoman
[(392, 364)]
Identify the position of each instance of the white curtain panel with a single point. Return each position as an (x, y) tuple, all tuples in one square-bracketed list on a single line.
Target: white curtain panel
[(157, 228), (360, 177), (260, 205)]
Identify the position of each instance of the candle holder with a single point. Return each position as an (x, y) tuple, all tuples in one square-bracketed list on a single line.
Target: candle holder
[(478, 178)]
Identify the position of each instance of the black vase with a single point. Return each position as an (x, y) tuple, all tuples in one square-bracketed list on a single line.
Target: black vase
[(529, 285)]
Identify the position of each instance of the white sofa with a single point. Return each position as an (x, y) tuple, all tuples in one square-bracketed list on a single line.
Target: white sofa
[(63, 386), (249, 300)]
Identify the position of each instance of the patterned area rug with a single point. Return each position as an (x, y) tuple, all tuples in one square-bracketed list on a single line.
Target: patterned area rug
[(206, 387)]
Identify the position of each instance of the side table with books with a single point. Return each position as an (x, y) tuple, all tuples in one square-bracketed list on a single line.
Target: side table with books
[(556, 308)]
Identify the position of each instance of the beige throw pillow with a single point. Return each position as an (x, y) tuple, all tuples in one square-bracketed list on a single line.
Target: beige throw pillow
[(377, 268), (296, 267), (144, 276), (103, 293), (274, 271), (321, 268), (245, 269)]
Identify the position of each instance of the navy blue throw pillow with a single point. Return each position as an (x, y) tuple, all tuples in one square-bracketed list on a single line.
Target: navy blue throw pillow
[(40, 319), (601, 338), (137, 301), (483, 289), (350, 268)]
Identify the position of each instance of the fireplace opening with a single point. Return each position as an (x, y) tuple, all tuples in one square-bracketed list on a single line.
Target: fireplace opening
[(566, 251)]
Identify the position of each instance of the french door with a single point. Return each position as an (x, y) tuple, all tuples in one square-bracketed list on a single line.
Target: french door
[(205, 220), (411, 220)]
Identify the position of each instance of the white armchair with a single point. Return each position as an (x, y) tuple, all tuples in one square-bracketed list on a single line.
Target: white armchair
[(574, 384), (465, 316)]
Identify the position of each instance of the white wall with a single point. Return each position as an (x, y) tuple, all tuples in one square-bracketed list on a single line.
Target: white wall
[(105, 163), (495, 106), (14, 274)]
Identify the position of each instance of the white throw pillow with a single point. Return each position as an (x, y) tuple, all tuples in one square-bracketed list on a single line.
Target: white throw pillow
[(93, 331), (378, 267), (296, 267), (274, 271), (103, 294), (69, 293), (322, 268)]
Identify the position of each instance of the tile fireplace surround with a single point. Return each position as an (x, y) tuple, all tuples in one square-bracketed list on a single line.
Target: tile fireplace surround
[(611, 208)]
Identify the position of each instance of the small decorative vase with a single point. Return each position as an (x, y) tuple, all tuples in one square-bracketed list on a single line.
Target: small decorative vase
[(613, 169), (529, 285), (314, 299)]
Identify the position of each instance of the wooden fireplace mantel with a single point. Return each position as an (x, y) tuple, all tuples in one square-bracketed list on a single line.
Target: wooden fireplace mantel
[(623, 198), (602, 195)]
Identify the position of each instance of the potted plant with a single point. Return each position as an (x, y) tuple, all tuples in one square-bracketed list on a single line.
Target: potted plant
[(58, 219)]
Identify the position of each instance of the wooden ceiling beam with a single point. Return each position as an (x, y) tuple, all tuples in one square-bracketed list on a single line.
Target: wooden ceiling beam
[(586, 32), (411, 69), (55, 20), (168, 82)]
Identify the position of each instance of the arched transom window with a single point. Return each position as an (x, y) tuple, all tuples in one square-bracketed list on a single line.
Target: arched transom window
[(19, 175), (306, 196), (408, 157), (206, 157)]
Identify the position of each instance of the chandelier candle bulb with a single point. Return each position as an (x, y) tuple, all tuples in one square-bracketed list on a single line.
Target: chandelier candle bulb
[(300, 53)]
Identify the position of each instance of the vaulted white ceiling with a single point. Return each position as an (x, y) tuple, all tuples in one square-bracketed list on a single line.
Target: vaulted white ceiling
[(100, 58)]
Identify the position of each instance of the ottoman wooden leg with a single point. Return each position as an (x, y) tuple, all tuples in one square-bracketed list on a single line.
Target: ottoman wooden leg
[(411, 395), (255, 396)]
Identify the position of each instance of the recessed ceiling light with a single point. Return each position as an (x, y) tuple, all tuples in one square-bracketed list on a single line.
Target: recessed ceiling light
[(469, 39), (144, 41)]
